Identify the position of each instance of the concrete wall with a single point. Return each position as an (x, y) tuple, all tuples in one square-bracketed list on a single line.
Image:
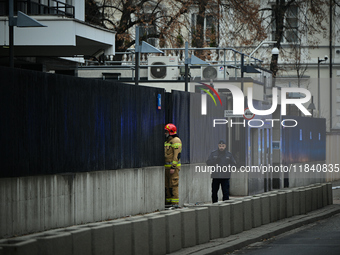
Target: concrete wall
[(301, 174), (38, 203), (332, 154)]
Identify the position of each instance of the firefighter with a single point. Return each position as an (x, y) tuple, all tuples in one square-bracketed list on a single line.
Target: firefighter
[(172, 153)]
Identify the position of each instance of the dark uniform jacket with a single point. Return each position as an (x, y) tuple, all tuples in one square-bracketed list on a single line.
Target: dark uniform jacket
[(220, 159)]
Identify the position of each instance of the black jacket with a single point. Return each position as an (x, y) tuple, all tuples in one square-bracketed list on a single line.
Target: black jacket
[(221, 159)]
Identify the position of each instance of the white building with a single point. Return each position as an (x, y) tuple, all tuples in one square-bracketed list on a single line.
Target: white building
[(67, 35)]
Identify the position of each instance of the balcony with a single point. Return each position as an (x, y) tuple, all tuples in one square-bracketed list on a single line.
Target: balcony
[(31, 7)]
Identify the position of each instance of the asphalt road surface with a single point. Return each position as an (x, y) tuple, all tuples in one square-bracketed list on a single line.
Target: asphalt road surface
[(322, 237)]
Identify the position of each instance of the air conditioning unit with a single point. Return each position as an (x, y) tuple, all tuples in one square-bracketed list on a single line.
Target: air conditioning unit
[(161, 69), (213, 73)]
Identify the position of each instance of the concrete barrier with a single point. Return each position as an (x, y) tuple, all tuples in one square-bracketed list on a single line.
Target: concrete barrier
[(281, 200), (18, 246), (314, 198), (122, 237), (289, 203), (202, 225), (319, 194), (309, 193), (236, 217), (302, 198), (81, 239), (188, 222), (140, 235), (247, 214), (256, 212), (149, 215), (214, 220), (265, 204), (173, 231), (273, 207), (53, 243), (168, 231), (329, 193), (225, 219), (157, 235), (102, 238), (324, 195), (296, 202)]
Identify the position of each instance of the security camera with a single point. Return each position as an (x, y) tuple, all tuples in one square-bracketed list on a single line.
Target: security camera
[(326, 57)]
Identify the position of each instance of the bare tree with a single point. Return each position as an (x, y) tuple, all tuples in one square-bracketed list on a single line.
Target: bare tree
[(295, 22), (234, 22), (159, 19)]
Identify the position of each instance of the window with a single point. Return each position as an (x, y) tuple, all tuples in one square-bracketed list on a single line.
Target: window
[(149, 28), (290, 25), (210, 30)]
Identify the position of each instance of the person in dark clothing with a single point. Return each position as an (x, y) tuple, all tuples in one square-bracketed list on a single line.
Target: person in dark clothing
[(220, 159)]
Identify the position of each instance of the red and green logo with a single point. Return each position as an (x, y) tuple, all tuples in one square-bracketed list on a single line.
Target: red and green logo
[(208, 92)]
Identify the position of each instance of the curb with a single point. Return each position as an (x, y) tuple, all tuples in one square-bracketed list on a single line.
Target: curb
[(236, 242)]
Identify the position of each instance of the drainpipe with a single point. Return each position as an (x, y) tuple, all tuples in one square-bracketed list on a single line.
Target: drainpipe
[(330, 58)]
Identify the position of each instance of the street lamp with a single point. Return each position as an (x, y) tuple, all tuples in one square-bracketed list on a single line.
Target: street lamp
[(319, 61), (250, 69), (276, 52)]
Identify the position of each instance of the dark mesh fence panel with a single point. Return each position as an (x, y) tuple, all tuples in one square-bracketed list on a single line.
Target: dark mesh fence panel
[(54, 124), (203, 136), (180, 117), (304, 143)]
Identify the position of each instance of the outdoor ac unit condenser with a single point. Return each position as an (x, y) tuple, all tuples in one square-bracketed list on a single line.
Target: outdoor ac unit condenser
[(161, 69), (213, 73)]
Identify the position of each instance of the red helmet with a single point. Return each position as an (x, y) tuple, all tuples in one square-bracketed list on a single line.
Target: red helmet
[(171, 128)]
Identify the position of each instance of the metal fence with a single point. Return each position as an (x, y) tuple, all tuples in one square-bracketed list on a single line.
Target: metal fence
[(304, 143), (55, 124)]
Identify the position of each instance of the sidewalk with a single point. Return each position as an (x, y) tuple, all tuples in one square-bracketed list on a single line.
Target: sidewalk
[(235, 242)]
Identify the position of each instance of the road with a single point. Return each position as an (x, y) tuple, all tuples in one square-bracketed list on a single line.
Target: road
[(321, 237)]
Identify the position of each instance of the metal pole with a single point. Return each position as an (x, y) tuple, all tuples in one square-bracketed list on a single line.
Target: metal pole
[(186, 65), (137, 56), (330, 63), (318, 87), (242, 67), (11, 33), (224, 64), (312, 104)]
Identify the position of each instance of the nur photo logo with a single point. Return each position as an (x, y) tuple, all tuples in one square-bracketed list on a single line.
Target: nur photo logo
[(238, 99)]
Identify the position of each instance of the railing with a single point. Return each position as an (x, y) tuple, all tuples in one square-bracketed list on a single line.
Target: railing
[(226, 57), (218, 56), (30, 7)]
